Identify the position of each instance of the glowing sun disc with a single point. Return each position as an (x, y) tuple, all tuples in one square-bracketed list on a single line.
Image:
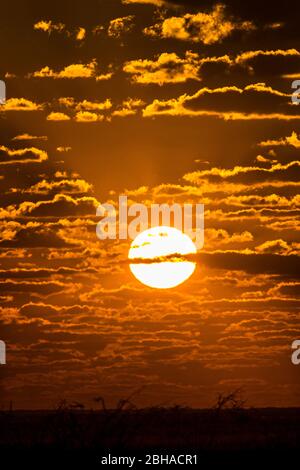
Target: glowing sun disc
[(157, 242)]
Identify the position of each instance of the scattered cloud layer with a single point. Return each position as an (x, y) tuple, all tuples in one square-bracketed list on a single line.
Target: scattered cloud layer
[(178, 104), (119, 26), (72, 71), (291, 140)]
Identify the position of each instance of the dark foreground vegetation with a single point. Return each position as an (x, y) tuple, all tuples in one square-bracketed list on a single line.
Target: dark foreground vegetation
[(222, 437)]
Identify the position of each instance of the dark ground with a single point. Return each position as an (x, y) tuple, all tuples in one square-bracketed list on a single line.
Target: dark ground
[(233, 438)]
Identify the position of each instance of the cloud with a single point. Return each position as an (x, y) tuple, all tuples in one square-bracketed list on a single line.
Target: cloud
[(42, 287), (27, 136), (119, 26), (292, 76), (86, 105), (25, 155), (72, 71), (207, 28), (85, 111), (10, 75), (124, 112), (217, 237), (255, 101), (58, 117), (49, 26), (34, 234), (67, 101), (286, 289), (93, 105), (63, 186), (104, 76), (87, 116), (61, 205), (267, 263), (274, 246), (129, 107), (250, 55), (45, 310), (30, 272), (81, 33), (262, 159), (168, 68), (270, 62), (20, 104), (291, 140), (277, 171), (62, 149)]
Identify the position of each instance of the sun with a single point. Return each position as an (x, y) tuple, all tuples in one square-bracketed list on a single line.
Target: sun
[(160, 242)]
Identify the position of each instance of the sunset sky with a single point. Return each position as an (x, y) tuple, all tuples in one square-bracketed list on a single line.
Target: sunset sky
[(164, 101)]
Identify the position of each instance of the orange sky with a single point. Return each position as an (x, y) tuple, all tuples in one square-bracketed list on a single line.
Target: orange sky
[(178, 101)]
